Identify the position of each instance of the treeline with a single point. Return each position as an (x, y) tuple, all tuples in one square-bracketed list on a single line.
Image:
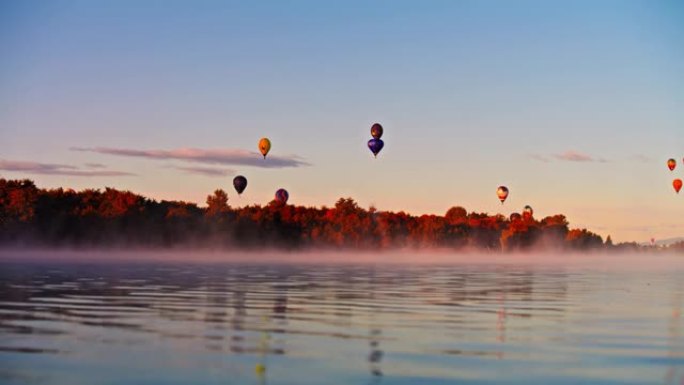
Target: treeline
[(34, 217)]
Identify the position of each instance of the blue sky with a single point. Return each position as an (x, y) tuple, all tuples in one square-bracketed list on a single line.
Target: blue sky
[(574, 105)]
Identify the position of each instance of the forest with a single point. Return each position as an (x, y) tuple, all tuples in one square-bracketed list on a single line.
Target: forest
[(93, 218)]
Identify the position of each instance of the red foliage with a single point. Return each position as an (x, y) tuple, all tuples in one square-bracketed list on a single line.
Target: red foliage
[(111, 216)]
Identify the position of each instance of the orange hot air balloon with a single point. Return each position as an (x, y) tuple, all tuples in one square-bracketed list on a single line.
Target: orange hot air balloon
[(502, 193), (671, 164), (677, 184), (264, 146)]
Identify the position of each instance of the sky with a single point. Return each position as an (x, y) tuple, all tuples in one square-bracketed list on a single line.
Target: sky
[(575, 106)]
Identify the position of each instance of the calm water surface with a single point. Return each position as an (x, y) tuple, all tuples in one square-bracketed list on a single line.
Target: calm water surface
[(221, 323)]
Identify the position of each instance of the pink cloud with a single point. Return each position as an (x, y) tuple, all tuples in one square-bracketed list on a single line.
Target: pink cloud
[(207, 156), (573, 156), (206, 171), (568, 156), (95, 165), (53, 169)]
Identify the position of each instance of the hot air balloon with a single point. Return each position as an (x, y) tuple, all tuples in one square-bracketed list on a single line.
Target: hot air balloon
[(264, 146), (677, 184), (281, 196), (671, 164), (376, 131), (528, 212), (240, 184), (375, 145), (515, 217), (502, 193)]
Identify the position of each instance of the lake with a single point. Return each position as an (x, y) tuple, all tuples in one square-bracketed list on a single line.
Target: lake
[(508, 320)]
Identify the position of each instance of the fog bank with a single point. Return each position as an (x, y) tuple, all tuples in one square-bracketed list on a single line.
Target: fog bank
[(401, 257)]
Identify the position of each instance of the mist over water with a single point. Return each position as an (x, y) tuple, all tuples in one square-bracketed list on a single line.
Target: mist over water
[(408, 256), (340, 318)]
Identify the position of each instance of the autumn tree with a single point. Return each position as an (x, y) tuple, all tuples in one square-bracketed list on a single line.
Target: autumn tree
[(217, 203), (17, 200), (554, 229), (456, 215), (582, 239), (111, 217), (609, 242)]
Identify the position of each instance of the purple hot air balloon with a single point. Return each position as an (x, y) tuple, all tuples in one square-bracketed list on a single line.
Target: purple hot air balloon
[(281, 196), (240, 183), (375, 145)]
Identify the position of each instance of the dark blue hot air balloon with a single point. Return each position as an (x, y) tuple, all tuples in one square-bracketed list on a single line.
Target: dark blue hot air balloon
[(281, 196), (375, 145), (240, 183)]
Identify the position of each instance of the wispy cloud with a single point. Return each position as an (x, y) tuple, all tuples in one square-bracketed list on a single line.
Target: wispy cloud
[(567, 156), (53, 169), (95, 165), (574, 156), (207, 156), (640, 158), (206, 171), (540, 158)]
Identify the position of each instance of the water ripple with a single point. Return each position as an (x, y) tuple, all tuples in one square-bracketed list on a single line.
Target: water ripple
[(483, 323)]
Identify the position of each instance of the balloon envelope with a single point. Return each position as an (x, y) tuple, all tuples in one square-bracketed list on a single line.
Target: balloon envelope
[(677, 184), (282, 196), (264, 146), (375, 145), (240, 183), (528, 211), (502, 193), (671, 164), (515, 217), (376, 131)]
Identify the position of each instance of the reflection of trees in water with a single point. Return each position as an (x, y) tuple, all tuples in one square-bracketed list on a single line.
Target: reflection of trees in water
[(477, 294), (519, 285), (264, 346), (376, 353), (674, 374), (279, 308), (503, 293), (237, 322), (345, 287), (518, 290), (215, 314), (272, 323), (501, 321)]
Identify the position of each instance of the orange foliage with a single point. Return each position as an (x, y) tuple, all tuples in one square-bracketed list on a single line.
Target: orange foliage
[(113, 217)]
